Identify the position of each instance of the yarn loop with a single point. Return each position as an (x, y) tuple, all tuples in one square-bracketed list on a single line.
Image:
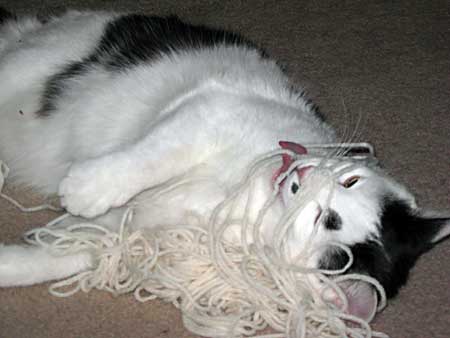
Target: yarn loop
[(222, 288)]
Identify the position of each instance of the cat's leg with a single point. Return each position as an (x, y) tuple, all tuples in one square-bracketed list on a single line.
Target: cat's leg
[(27, 265), (170, 149)]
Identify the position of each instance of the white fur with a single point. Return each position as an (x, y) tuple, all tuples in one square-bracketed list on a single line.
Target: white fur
[(208, 112)]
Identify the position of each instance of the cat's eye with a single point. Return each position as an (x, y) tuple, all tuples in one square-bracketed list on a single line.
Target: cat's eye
[(351, 181), (294, 187), (290, 187)]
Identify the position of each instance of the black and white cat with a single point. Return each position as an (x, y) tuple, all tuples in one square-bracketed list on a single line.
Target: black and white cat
[(98, 107)]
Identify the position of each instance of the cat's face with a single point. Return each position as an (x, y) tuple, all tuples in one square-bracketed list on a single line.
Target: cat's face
[(361, 207)]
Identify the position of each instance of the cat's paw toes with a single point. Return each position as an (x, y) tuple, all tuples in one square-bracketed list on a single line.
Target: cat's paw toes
[(79, 205), (90, 191)]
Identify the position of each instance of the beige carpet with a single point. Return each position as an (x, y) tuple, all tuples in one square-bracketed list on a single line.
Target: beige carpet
[(383, 63)]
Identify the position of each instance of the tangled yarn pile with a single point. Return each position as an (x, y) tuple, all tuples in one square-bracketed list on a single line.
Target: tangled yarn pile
[(222, 288)]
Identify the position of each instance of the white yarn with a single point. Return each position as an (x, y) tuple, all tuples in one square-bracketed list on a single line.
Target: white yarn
[(4, 172), (223, 289)]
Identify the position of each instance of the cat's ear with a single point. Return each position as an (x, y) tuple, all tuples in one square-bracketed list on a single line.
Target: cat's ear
[(432, 226), (439, 227), (361, 297), (421, 229)]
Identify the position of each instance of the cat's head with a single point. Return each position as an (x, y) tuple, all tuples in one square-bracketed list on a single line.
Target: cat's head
[(365, 209)]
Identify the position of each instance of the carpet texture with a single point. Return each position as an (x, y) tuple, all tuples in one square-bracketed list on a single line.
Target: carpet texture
[(383, 64)]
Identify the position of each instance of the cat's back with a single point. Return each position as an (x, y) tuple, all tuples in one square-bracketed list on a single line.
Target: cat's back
[(126, 57), (97, 81), (34, 49)]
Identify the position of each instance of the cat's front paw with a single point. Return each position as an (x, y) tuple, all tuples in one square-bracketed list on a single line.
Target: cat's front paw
[(91, 188)]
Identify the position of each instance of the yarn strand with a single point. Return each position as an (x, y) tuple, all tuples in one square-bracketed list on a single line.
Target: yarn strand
[(223, 289)]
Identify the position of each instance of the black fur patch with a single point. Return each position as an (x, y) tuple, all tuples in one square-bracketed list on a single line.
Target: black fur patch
[(318, 113), (332, 220), (405, 235), (6, 15), (368, 258), (56, 85), (132, 39), (312, 107)]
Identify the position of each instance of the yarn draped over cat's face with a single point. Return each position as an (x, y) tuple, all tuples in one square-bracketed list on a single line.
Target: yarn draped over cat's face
[(168, 116), (345, 201)]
